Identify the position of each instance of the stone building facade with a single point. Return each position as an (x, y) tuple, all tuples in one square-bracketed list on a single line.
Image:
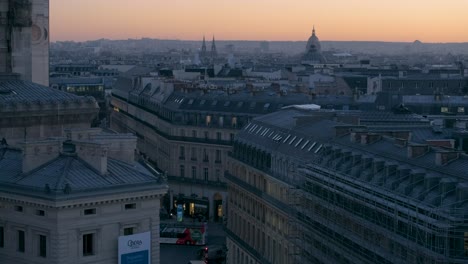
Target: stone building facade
[(327, 187), (30, 111), (68, 200), (188, 134)]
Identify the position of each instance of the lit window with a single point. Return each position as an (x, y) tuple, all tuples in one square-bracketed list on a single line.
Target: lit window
[(461, 109), (444, 109)]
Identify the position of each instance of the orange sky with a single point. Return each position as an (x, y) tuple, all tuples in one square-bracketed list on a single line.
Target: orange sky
[(381, 20)]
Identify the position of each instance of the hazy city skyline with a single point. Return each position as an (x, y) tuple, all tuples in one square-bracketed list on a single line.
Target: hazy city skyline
[(360, 20)]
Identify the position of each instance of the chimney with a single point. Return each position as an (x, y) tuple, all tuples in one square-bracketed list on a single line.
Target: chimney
[(93, 153), (341, 131), (417, 150), (120, 146), (81, 134), (445, 143), (38, 153), (370, 138), (355, 136), (445, 157), (400, 142), (406, 135)]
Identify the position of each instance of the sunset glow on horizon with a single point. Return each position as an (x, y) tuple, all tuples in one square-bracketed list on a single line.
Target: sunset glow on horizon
[(339, 20)]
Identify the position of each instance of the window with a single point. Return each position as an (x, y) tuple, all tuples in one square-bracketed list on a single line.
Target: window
[(465, 243), (218, 156), (221, 121), (128, 231), (231, 137), (88, 244), (40, 212), (194, 133), (461, 109), (444, 109), (182, 171), (130, 206), (18, 208), (182, 152), (218, 135), (194, 172), (194, 154), (208, 120), (182, 133), (218, 174), (234, 122), (205, 155), (206, 135), (2, 237), (205, 173), (20, 234), (42, 246), (90, 211)]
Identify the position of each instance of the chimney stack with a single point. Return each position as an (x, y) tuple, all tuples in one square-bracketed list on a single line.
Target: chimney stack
[(445, 157), (93, 153), (38, 153), (417, 150)]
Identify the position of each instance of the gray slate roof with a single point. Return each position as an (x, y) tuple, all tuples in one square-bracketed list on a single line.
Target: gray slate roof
[(24, 91), (69, 170)]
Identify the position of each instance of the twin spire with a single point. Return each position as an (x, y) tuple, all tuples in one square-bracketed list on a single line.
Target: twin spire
[(204, 52)]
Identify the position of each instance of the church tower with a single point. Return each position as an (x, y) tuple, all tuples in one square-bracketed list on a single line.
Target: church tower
[(203, 48), (214, 53)]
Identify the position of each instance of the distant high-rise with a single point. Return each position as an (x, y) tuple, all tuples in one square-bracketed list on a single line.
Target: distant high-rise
[(313, 52), (24, 39)]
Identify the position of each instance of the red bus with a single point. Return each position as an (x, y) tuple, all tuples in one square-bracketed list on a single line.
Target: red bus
[(182, 235)]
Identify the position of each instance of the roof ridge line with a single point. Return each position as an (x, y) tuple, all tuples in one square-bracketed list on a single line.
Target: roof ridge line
[(66, 168)]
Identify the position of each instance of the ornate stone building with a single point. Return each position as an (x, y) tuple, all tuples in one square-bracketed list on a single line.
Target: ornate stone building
[(67, 200), (188, 133), (346, 187), (30, 111), (313, 52)]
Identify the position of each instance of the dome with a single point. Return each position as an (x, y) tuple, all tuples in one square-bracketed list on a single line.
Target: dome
[(313, 52), (313, 44)]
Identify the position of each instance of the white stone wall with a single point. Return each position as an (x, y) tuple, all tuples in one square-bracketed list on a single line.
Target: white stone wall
[(65, 223)]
